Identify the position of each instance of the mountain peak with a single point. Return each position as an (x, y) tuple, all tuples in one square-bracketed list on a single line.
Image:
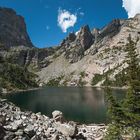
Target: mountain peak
[(13, 29), (85, 37)]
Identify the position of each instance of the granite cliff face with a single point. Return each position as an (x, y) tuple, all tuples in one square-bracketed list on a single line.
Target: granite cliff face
[(77, 59), (75, 45), (13, 29)]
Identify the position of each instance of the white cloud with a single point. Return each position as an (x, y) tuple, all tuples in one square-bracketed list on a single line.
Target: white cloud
[(132, 7), (66, 19)]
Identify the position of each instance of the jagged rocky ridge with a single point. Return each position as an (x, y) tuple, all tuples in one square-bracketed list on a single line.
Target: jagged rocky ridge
[(87, 53), (79, 56), (17, 124)]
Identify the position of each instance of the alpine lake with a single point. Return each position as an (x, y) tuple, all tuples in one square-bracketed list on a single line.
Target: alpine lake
[(85, 105)]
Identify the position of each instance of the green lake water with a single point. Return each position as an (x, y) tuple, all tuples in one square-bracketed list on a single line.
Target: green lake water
[(85, 105)]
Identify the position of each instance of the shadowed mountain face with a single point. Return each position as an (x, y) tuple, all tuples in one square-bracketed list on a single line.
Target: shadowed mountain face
[(13, 29)]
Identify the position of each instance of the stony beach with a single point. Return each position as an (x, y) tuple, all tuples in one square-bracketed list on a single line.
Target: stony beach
[(16, 124)]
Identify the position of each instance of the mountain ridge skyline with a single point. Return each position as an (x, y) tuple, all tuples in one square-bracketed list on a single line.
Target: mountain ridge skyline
[(42, 17)]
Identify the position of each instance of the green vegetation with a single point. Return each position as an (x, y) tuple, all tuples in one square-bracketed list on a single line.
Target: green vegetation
[(55, 82), (82, 74), (33, 68), (131, 103), (55, 55), (81, 82), (100, 55), (1, 59), (114, 113), (97, 78), (107, 50), (15, 77), (125, 115), (116, 49), (119, 79), (2, 47)]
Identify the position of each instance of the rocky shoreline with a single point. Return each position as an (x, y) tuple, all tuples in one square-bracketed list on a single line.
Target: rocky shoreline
[(16, 124), (5, 92)]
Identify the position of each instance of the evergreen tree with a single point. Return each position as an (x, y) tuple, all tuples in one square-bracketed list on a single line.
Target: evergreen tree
[(125, 117), (131, 105), (115, 114)]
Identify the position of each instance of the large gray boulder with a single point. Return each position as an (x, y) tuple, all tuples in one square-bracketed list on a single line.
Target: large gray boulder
[(57, 115), (66, 129)]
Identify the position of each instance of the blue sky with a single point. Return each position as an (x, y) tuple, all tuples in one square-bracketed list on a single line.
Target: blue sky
[(41, 16)]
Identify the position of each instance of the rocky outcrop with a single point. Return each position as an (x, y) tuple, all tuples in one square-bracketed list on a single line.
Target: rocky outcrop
[(33, 58), (66, 42), (111, 29), (84, 37), (95, 33), (58, 116), (13, 29), (74, 49), (16, 124)]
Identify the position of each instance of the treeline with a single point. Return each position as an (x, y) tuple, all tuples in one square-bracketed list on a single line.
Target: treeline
[(13, 77)]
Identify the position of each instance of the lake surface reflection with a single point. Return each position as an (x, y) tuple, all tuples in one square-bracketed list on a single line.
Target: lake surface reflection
[(85, 105)]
